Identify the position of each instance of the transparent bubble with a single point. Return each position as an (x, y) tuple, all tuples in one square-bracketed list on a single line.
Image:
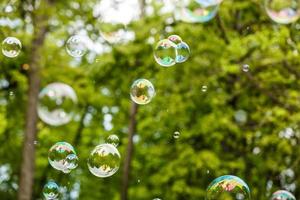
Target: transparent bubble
[(228, 187), (113, 139), (51, 190), (182, 52), (104, 160), (62, 156), (283, 11), (57, 103), (165, 53), (176, 134), (76, 46), (245, 68), (11, 47), (142, 91), (282, 195), (204, 88), (197, 11), (175, 39)]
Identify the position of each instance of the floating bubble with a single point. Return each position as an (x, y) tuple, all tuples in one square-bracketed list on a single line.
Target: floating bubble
[(182, 52), (197, 11), (113, 139), (62, 156), (165, 53), (142, 91), (282, 195), (204, 88), (176, 134), (57, 102), (104, 160), (283, 11), (76, 46), (175, 39), (245, 68), (51, 190), (228, 187), (11, 47)]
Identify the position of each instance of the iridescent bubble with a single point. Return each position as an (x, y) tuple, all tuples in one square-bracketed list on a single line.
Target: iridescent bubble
[(165, 53), (228, 187), (182, 52), (104, 160), (198, 11), (113, 139), (283, 11), (142, 91), (11, 47), (175, 39), (176, 134), (57, 102), (245, 67), (76, 46), (282, 195), (62, 156), (51, 190)]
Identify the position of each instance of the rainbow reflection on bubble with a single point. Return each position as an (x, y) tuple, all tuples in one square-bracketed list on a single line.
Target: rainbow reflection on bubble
[(228, 187), (142, 91), (283, 11), (282, 195)]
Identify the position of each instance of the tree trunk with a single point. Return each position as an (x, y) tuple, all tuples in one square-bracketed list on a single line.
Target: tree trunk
[(127, 162), (28, 153)]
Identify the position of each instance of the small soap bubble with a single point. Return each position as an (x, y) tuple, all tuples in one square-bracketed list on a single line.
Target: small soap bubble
[(182, 52), (228, 187), (282, 195), (175, 39), (165, 53), (57, 103), (204, 88), (176, 134), (76, 46), (51, 190), (113, 139), (11, 47), (283, 11), (245, 68), (104, 160), (142, 91), (62, 156)]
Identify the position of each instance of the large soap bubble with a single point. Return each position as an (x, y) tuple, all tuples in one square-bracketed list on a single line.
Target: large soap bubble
[(228, 187), (51, 190), (11, 47), (197, 11), (62, 156), (282, 195), (57, 102), (142, 91), (283, 11), (76, 46), (104, 160)]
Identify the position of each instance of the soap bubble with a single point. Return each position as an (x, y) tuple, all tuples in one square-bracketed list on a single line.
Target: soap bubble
[(204, 88), (176, 134), (104, 160), (57, 102), (51, 190), (197, 11), (175, 39), (282, 195), (142, 91), (283, 11), (228, 187), (113, 139), (76, 46), (245, 67), (11, 47), (62, 156), (182, 52), (164, 53)]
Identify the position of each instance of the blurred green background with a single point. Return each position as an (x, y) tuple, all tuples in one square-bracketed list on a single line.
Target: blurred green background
[(245, 124)]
